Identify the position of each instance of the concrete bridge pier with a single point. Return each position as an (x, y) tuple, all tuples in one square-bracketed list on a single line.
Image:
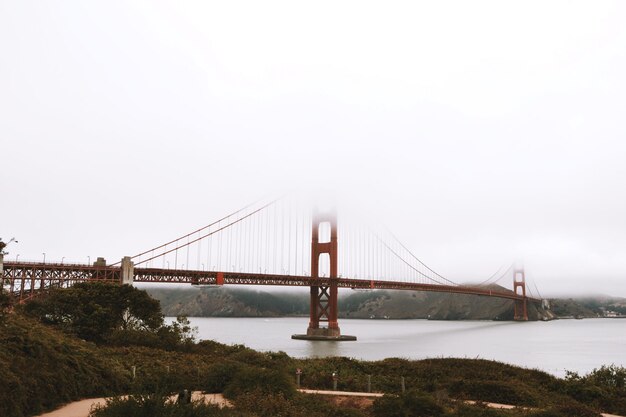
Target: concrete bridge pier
[(128, 270)]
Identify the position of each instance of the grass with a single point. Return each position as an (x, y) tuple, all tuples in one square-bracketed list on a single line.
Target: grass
[(42, 367)]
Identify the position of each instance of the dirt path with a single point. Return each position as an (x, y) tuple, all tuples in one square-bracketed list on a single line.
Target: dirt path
[(76, 409), (83, 407), (342, 393), (376, 394)]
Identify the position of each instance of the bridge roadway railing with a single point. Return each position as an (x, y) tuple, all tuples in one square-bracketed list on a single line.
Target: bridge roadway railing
[(24, 279), (195, 277)]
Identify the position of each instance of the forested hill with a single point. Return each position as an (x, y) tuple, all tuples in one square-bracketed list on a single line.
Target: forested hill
[(241, 302), (229, 302)]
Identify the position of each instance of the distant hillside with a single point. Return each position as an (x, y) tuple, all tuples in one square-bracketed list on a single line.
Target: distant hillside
[(595, 306), (379, 304), (434, 306), (229, 302)]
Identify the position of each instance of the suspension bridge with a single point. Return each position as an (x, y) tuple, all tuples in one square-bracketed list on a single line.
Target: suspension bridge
[(273, 242)]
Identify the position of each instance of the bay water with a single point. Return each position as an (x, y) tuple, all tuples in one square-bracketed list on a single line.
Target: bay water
[(554, 346)]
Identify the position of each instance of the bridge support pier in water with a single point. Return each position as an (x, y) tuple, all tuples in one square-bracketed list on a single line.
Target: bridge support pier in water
[(323, 299)]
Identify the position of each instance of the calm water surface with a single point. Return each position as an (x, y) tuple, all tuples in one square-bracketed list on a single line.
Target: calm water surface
[(555, 346)]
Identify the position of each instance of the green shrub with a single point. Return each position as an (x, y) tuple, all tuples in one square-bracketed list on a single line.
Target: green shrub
[(603, 388), (411, 404), (462, 410), (569, 410), (5, 303), (157, 406), (502, 392), (219, 376), (268, 381), (609, 376), (41, 368), (93, 310), (261, 403)]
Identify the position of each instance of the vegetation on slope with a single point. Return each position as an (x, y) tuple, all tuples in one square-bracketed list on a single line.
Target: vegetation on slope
[(42, 366), (229, 302), (378, 304)]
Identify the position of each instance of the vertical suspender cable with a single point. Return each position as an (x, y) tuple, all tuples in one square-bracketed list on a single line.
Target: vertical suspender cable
[(274, 246), (208, 254), (282, 240), (295, 272), (267, 241), (289, 246), (259, 253), (176, 256)]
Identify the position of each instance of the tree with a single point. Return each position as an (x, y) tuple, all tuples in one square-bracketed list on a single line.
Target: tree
[(5, 303), (95, 310)]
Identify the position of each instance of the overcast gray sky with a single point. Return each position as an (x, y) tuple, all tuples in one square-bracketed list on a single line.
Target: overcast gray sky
[(482, 132)]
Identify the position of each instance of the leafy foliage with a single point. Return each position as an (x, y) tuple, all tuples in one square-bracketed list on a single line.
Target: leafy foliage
[(158, 405), (603, 388), (567, 410), (220, 375), (265, 381), (41, 368), (130, 350), (411, 404), (94, 311), (5, 303), (612, 377)]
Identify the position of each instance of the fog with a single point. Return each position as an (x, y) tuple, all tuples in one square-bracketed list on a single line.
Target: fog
[(481, 133)]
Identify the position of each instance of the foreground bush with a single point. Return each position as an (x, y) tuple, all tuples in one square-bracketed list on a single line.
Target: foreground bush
[(158, 406), (262, 404), (131, 351), (603, 388), (265, 381), (220, 375), (94, 310), (411, 404), (41, 368), (569, 410)]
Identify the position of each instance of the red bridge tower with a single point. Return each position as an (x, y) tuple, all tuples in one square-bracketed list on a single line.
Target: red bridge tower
[(521, 310), (323, 300)]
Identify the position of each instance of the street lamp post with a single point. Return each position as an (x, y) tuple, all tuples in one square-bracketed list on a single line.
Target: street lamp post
[(88, 260), (17, 257), (62, 259), (44, 257)]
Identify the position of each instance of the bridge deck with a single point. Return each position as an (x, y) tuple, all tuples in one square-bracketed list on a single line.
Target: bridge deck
[(21, 278)]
